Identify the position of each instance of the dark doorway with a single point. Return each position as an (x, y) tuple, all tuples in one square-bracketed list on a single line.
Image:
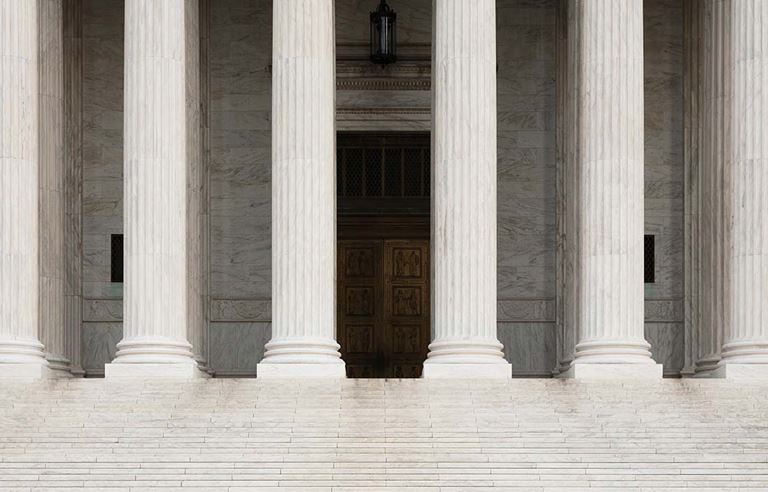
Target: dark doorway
[(383, 293)]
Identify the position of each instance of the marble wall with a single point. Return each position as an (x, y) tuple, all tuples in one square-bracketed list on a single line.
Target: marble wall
[(664, 178), (102, 194), (527, 172), (239, 183)]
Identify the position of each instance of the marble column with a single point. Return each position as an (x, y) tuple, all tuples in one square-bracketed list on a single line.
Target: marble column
[(200, 338), (745, 351), (714, 154), (21, 352), (51, 155), (567, 186), (693, 27), (73, 182), (611, 341), (464, 193), (159, 171), (196, 323), (303, 193)]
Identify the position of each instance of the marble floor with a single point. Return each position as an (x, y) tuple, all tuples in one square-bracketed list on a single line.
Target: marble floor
[(247, 434)]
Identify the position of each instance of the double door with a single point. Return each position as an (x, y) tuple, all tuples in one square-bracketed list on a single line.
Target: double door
[(383, 306)]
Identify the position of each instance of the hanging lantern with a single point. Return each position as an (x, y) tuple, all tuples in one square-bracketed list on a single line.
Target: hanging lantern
[(383, 39)]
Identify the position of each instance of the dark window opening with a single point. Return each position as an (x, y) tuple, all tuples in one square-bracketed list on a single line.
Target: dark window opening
[(116, 262), (383, 173), (650, 258)]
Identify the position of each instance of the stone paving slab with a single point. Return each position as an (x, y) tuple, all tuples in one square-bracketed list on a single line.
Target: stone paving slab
[(246, 434)]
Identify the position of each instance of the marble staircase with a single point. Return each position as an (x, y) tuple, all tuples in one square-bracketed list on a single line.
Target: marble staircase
[(363, 435)]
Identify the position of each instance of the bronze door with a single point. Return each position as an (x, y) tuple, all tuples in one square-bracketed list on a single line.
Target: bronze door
[(383, 306)]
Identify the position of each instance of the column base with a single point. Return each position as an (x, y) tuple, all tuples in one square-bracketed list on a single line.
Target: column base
[(301, 357), (474, 358), (272, 370), (23, 358), (736, 370), (25, 371), (153, 357), (743, 359), (586, 370), (705, 366), (153, 371), (439, 370), (59, 366)]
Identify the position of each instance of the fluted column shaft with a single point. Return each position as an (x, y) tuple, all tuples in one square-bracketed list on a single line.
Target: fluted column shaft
[(303, 193), (51, 152), (157, 169), (195, 319), (747, 329), (21, 353), (714, 158), (611, 153), (464, 192), (73, 179), (568, 193)]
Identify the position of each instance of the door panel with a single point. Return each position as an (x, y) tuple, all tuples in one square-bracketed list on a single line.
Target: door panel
[(406, 282), (359, 312), (383, 306)]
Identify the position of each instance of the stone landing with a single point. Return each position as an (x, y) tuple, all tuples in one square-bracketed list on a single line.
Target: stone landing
[(360, 435)]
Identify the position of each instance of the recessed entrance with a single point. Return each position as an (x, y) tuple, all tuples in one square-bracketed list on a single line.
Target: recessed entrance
[(383, 292)]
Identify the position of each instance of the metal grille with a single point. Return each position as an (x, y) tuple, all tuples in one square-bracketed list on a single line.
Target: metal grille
[(378, 166), (352, 161), (373, 171), (393, 172)]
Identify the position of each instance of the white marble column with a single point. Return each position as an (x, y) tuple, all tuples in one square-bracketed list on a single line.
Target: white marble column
[(73, 182), (303, 193), (196, 324), (745, 351), (714, 152), (158, 170), (51, 155), (21, 353), (567, 186), (693, 82), (611, 342), (464, 193)]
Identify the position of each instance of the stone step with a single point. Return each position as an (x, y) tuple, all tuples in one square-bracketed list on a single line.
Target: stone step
[(227, 434)]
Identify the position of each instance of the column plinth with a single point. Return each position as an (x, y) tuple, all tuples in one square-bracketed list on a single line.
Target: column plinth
[(159, 167), (303, 341), (465, 342), (21, 352), (745, 351), (611, 341)]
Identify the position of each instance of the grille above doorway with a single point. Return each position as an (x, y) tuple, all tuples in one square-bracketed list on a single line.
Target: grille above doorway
[(383, 173)]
